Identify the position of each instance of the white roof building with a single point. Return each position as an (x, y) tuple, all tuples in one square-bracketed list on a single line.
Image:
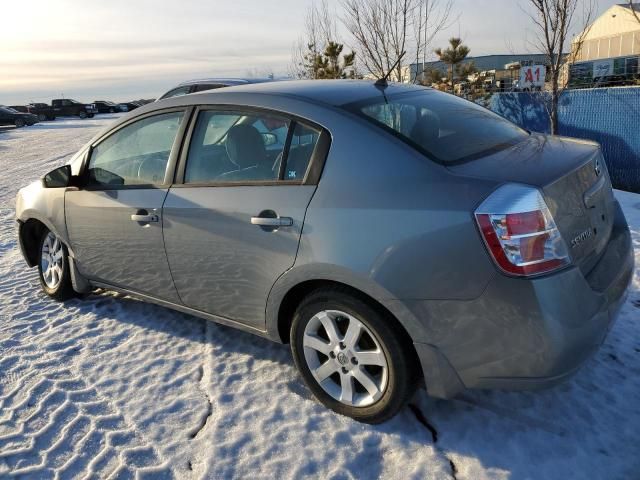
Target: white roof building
[(615, 33)]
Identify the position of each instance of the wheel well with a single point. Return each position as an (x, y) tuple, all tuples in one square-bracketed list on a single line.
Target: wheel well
[(294, 296), (30, 235)]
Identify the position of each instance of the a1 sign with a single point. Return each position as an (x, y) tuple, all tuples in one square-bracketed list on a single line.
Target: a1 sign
[(532, 76)]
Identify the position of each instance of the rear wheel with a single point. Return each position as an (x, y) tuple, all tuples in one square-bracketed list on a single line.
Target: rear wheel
[(53, 268), (19, 123), (350, 356), (42, 117), (82, 114)]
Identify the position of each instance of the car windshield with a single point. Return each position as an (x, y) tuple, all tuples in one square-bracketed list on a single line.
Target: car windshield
[(7, 110), (444, 127)]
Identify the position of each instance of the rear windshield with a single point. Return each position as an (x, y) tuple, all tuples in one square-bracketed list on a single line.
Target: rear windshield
[(446, 128)]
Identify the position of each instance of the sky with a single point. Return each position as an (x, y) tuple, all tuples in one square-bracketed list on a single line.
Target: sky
[(128, 49)]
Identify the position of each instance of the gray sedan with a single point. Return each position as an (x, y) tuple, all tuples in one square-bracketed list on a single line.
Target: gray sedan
[(392, 234)]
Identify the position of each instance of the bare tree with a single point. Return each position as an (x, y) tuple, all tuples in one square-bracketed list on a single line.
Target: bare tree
[(554, 20), (320, 28), (385, 29), (432, 17)]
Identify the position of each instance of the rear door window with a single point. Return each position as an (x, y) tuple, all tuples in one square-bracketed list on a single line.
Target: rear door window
[(249, 147), (303, 144), (236, 147)]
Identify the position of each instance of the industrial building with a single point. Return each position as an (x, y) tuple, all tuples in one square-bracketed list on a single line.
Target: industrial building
[(609, 53)]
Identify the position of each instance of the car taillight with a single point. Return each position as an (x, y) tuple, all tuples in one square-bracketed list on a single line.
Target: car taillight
[(520, 232)]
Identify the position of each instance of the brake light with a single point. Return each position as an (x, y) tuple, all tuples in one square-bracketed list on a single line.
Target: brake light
[(520, 233)]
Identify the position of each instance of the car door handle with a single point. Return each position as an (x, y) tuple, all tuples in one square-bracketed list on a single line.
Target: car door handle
[(272, 222), (144, 218)]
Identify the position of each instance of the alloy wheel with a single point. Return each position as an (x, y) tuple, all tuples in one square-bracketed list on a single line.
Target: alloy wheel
[(345, 358), (51, 261)]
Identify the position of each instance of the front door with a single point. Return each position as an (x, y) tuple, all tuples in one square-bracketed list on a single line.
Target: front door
[(233, 226), (114, 221)]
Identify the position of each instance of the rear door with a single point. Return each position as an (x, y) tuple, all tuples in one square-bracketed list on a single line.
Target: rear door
[(114, 221), (232, 223)]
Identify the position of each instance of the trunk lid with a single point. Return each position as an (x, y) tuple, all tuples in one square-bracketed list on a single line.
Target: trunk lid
[(574, 181)]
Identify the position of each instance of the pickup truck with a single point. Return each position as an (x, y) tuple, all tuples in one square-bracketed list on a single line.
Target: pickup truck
[(42, 111), (69, 107)]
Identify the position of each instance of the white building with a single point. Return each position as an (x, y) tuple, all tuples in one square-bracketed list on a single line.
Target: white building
[(610, 48)]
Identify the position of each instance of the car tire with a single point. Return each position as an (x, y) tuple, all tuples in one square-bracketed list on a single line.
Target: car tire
[(42, 117), (368, 376), (19, 123), (53, 267), (111, 110), (91, 115), (83, 114)]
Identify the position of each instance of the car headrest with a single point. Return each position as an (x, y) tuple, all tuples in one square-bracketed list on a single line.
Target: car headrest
[(245, 146), (426, 131)]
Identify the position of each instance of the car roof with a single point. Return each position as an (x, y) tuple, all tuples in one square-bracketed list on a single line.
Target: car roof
[(331, 92), (225, 81)]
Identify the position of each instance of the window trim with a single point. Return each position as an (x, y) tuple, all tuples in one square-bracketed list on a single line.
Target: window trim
[(176, 147), (314, 168)]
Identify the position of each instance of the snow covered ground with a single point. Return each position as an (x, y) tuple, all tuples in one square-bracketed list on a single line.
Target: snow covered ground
[(110, 386)]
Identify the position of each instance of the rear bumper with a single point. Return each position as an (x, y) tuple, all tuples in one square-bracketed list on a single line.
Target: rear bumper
[(526, 334)]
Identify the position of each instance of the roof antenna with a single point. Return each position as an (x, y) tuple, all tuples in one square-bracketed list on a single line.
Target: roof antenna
[(382, 82)]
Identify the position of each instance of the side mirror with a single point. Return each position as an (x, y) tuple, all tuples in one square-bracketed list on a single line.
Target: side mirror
[(269, 139), (58, 178)]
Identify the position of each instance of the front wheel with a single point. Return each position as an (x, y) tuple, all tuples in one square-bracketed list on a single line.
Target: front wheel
[(53, 268), (42, 117), (83, 114), (20, 123), (350, 356)]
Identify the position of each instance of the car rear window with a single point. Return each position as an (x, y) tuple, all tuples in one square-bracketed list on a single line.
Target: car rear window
[(444, 127)]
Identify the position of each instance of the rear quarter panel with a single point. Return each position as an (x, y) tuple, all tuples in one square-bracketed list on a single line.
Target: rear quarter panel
[(386, 220)]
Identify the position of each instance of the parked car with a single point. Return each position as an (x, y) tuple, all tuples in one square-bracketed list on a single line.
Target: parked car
[(42, 111), (204, 84), (103, 106), (128, 106), (72, 108), (398, 232), (9, 116)]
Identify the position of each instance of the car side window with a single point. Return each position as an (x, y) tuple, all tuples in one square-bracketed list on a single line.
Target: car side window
[(136, 154), (207, 86), (177, 92), (236, 147), (303, 144)]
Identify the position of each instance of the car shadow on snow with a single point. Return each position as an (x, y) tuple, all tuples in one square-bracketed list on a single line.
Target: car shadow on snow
[(164, 320)]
